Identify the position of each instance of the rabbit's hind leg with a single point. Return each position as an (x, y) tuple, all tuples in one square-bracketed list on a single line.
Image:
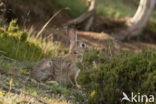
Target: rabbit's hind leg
[(41, 76)]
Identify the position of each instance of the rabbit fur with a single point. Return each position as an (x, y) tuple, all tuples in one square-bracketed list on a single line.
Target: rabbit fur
[(62, 67)]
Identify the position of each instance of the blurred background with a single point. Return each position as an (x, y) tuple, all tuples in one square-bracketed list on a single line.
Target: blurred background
[(120, 57)]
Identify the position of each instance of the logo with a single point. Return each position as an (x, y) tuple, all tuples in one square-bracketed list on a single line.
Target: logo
[(137, 98)]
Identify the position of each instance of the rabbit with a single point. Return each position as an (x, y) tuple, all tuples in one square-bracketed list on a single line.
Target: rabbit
[(62, 67)]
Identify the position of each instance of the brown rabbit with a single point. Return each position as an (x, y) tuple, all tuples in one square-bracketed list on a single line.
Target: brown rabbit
[(63, 67)]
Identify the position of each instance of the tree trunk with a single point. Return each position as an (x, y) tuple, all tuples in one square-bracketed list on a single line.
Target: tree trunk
[(87, 15), (139, 20), (91, 18), (89, 23)]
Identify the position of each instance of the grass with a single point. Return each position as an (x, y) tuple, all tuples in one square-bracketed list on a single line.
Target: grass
[(77, 7), (115, 8), (112, 8), (19, 51), (22, 46), (31, 90)]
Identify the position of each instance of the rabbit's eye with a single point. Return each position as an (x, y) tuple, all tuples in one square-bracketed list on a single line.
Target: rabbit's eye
[(83, 45)]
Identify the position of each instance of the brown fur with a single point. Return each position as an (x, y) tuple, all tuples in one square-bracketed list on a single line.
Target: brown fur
[(63, 67)]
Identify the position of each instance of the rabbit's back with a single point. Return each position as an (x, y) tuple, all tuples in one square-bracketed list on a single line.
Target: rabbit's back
[(61, 67), (42, 70), (53, 68)]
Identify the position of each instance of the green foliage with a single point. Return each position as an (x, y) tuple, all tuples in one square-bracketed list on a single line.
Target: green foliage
[(19, 45), (24, 36), (109, 8), (115, 8), (77, 7), (105, 78), (151, 26), (13, 26), (58, 89)]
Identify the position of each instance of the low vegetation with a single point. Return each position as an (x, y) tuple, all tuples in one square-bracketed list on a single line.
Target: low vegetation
[(104, 77), (23, 46), (19, 51)]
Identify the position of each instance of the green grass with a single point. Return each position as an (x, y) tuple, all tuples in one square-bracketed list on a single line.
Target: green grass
[(153, 17), (77, 7), (119, 8), (54, 94), (112, 8), (31, 88), (30, 91), (115, 8), (22, 46), (19, 51)]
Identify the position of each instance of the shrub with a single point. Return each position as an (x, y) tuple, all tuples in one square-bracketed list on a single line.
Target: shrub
[(104, 82), (19, 45)]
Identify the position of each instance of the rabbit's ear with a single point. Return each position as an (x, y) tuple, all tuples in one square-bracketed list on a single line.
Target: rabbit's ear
[(73, 39), (72, 35)]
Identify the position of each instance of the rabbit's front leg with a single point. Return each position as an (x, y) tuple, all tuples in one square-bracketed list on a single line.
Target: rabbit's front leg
[(73, 78)]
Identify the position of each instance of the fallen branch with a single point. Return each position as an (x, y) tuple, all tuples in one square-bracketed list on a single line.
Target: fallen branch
[(44, 26), (80, 19), (87, 15)]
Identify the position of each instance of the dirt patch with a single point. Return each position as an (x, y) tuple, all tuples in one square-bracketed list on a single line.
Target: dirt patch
[(28, 13), (109, 25)]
